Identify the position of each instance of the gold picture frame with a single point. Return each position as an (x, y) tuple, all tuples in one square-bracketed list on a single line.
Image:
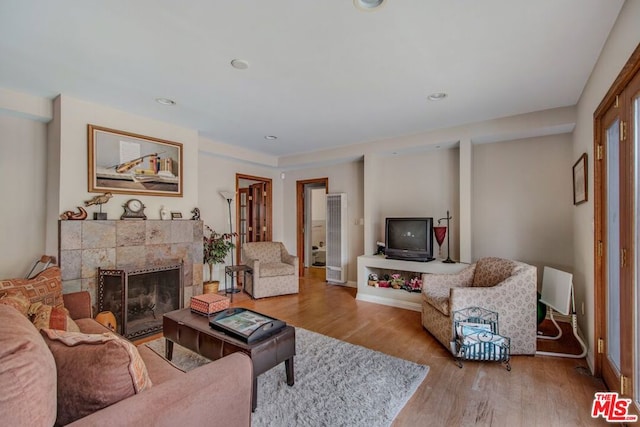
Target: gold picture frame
[(128, 163), (580, 183)]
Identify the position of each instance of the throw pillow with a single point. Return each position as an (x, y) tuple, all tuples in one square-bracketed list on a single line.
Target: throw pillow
[(47, 317), (94, 371), (27, 373), (17, 301), (46, 287)]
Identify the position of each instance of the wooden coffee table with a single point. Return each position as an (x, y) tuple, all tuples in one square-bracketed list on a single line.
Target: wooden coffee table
[(192, 331)]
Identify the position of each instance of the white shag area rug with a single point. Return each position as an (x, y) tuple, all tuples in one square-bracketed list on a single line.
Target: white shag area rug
[(336, 384)]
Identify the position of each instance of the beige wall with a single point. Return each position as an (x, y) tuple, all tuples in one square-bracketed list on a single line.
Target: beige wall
[(420, 184), (217, 174), (318, 204), (622, 40), (74, 116), (343, 178), (23, 149), (522, 202)]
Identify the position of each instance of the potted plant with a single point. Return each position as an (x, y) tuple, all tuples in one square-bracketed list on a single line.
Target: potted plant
[(216, 248)]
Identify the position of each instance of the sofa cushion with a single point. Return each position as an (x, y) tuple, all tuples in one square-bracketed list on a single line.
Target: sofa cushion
[(27, 373), (46, 317), (90, 326), (160, 370), (16, 300), (94, 371), (46, 287), (491, 271), (272, 269)]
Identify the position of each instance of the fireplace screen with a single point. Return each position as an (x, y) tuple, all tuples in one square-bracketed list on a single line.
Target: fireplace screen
[(139, 298)]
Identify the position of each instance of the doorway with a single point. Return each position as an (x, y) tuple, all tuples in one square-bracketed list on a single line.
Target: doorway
[(310, 223), (253, 211)]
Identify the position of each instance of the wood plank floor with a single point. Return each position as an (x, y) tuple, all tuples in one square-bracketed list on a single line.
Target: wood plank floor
[(539, 391)]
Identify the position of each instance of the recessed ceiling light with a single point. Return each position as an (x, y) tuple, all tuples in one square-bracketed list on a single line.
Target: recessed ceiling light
[(437, 96), (367, 5), (239, 64), (270, 137), (165, 101)]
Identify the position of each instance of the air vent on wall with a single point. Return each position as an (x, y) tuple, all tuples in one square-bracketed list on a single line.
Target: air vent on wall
[(337, 238)]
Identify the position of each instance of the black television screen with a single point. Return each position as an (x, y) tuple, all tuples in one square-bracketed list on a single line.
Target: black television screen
[(409, 238)]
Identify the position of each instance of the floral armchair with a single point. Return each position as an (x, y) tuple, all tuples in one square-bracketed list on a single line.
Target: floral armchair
[(275, 271), (504, 286)]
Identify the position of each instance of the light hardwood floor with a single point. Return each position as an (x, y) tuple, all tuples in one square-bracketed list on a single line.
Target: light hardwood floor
[(539, 391)]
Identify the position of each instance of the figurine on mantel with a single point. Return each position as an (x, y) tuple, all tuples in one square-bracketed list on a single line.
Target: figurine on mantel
[(99, 200), (78, 216), (196, 214), (164, 213)]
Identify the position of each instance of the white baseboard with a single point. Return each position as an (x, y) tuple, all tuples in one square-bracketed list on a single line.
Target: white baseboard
[(348, 284), (407, 305)]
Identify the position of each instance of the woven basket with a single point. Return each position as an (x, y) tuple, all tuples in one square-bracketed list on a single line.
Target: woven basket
[(211, 287)]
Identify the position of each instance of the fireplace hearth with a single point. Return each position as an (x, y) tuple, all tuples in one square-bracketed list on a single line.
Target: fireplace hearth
[(139, 297)]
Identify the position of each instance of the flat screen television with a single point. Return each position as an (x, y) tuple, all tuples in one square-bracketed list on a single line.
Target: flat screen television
[(409, 239)]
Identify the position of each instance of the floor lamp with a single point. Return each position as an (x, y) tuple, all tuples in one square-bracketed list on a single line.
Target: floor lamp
[(557, 294), (228, 196)]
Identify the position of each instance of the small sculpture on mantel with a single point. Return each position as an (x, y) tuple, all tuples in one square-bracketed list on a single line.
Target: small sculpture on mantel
[(78, 216), (196, 214), (99, 200)]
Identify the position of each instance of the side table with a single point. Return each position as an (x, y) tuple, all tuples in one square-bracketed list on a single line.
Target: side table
[(232, 272)]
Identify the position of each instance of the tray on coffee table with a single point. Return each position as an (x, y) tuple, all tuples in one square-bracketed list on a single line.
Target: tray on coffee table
[(246, 325)]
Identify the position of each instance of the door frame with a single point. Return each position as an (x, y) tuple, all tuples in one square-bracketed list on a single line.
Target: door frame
[(300, 214)]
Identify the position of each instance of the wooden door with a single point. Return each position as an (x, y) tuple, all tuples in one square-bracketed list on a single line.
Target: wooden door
[(242, 219), (616, 231), (258, 212), (253, 210), (611, 340)]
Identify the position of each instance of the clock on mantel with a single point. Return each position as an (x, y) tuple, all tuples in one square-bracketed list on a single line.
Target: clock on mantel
[(133, 209)]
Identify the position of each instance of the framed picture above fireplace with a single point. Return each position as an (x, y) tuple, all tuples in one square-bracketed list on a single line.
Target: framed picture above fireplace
[(127, 163)]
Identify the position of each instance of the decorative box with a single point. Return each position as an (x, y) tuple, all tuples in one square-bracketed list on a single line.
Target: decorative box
[(209, 303)]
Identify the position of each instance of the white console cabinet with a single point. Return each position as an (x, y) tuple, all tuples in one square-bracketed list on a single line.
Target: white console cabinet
[(397, 297)]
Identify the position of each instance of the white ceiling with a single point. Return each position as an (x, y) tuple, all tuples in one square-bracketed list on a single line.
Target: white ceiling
[(322, 73)]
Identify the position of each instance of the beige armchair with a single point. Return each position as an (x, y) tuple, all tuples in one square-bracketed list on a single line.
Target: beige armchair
[(504, 286), (275, 271)]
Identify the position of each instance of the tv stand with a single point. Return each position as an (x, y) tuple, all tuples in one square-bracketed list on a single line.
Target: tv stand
[(397, 297)]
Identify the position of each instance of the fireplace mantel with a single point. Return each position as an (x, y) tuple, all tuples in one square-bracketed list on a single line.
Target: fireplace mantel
[(120, 244)]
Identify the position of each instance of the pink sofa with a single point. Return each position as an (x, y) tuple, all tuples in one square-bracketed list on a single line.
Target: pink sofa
[(219, 391)]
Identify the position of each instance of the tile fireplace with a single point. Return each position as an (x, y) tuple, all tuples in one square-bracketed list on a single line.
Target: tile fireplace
[(131, 245)]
